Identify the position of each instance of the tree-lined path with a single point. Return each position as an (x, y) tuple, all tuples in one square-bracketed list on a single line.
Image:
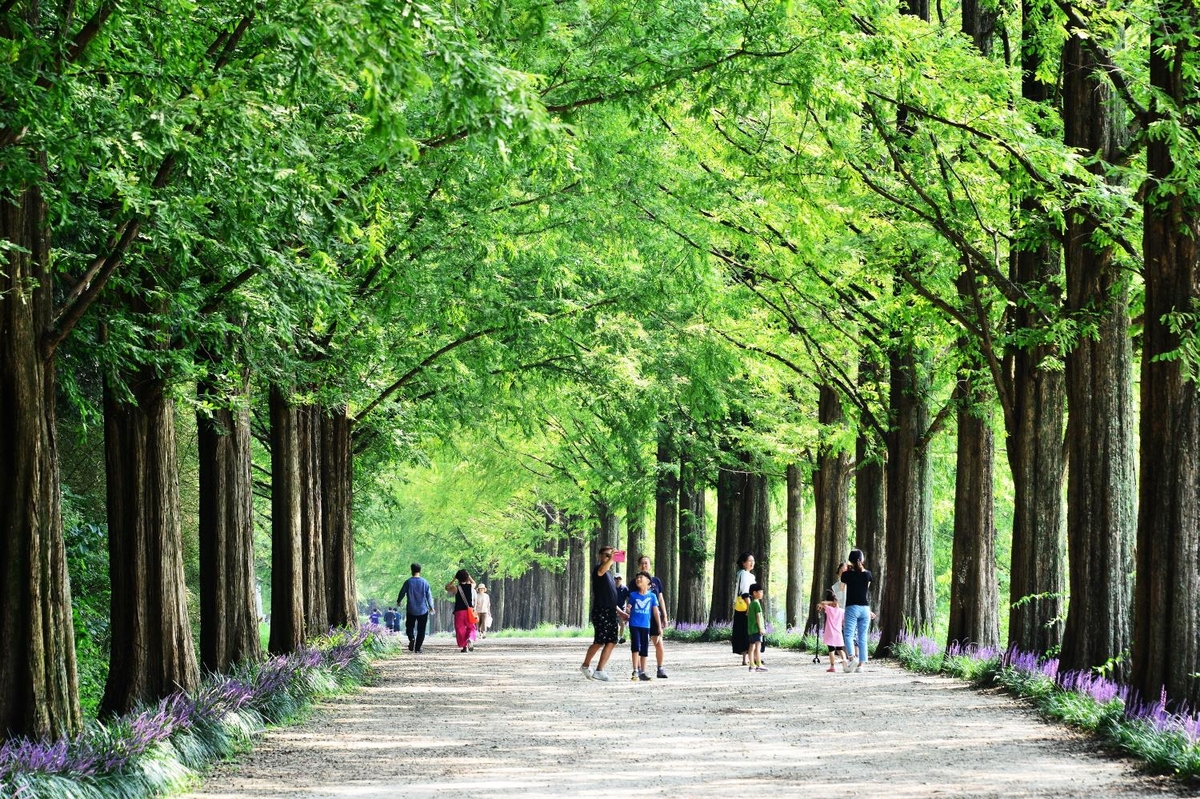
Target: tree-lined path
[(515, 718)]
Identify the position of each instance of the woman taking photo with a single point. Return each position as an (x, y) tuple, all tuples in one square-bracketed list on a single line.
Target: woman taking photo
[(741, 596)]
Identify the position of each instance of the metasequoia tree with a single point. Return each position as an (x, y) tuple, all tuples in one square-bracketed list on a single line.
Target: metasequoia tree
[(1166, 632)]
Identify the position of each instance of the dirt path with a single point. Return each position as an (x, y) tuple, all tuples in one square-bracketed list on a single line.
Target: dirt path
[(516, 718)]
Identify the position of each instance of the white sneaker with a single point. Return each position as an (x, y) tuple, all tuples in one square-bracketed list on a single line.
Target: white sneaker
[(586, 671), (849, 667), (600, 675)]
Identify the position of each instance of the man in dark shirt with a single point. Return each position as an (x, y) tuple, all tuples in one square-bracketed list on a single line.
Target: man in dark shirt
[(604, 616), (622, 600)]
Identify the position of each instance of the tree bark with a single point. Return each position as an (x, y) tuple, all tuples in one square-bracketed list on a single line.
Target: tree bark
[(152, 653), (228, 614), (756, 532), (693, 545), (974, 593), (731, 489), (635, 531), (1100, 422), (795, 546), (831, 488), (870, 486), (1166, 641), (1034, 428), (287, 554), (909, 599), (577, 576), (39, 695), (666, 518), (337, 510), (309, 437)]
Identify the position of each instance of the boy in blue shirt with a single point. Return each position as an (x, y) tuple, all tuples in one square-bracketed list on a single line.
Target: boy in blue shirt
[(641, 604)]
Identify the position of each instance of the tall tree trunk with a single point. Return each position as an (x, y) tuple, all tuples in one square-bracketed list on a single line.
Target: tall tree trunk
[(228, 584), (756, 532), (635, 530), (577, 576), (666, 518), (309, 432), (1166, 644), (731, 489), (152, 653), (1100, 422), (831, 488), (870, 485), (287, 555), (795, 546), (39, 694), (909, 599), (1034, 428), (337, 509), (693, 545), (974, 593)]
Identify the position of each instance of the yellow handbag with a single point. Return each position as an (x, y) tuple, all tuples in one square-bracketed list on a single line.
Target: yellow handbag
[(740, 605)]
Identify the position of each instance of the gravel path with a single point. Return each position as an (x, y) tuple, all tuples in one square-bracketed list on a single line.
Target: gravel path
[(516, 718)]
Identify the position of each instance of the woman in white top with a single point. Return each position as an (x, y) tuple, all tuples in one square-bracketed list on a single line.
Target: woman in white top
[(745, 578), (483, 609)]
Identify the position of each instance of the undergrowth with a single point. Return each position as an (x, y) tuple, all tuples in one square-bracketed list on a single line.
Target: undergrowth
[(160, 748), (1166, 739)]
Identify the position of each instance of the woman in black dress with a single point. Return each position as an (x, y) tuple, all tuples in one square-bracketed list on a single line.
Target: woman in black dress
[(745, 578)]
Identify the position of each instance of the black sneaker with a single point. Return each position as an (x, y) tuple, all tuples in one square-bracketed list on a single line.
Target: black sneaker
[(620, 640), (643, 676), (464, 649), (662, 675), (410, 645)]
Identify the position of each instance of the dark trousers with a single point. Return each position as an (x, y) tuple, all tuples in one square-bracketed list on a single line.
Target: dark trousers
[(420, 622)]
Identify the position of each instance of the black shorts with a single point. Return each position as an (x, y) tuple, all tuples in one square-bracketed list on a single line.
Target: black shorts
[(655, 625), (756, 638), (604, 622)]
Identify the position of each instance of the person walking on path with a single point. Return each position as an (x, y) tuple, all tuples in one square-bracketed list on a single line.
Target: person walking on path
[(604, 616), (834, 616), (839, 593), (641, 606), (756, 627), (858, 608), (374, 617), (622, 601), (745, 578), (389, 619), (420, 604), (483, 609), (658, 619), (463, 589)]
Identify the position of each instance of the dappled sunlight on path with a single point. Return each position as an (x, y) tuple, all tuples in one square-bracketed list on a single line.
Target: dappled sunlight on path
[(516, 718)]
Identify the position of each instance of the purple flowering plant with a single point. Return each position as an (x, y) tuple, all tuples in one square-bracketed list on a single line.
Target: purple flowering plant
[(199, 727)]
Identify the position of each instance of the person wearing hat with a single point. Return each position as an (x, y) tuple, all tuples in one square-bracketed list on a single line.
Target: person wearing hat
[(858, 609), (483, 609), (622, 601)]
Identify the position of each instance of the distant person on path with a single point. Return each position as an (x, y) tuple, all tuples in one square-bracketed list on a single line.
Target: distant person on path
[(658, 619), (745, 578), (389, 618), (642, 606), (756, 627), (483, 609), (604, 616), (622, 601), (420, 604), (463, 589), (834, 616), (858, 608), (839, 592), (374, 617)]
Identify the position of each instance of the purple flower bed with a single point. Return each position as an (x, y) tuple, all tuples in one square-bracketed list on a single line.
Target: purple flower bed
[(269, 691)]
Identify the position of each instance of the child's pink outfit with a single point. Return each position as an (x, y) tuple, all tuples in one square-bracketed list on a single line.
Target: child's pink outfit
[(834, 616)]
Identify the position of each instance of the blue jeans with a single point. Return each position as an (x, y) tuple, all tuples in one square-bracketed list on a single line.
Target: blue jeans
[(858, 621)]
